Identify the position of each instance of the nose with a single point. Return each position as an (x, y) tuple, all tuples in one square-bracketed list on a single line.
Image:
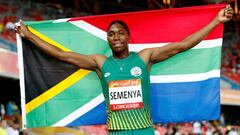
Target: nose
[(116, 37)]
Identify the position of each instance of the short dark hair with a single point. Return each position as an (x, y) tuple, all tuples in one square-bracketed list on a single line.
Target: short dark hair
[(125, 26)]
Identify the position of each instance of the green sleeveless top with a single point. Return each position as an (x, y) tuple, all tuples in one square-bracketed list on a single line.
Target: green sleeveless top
[(126, 88)]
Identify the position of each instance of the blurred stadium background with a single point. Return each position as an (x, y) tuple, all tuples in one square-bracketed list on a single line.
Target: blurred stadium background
[(37, 10)]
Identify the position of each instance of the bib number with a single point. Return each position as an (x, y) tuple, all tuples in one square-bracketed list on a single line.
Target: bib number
[(125, 94)]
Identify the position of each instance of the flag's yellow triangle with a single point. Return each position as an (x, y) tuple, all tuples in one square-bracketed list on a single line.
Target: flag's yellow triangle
[(41, 99), (50, 93)]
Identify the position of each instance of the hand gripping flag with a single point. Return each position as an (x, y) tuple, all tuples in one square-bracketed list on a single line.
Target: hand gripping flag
[(184, 87)]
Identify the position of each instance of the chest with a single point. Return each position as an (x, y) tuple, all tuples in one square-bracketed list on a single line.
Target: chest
[(130, 71)]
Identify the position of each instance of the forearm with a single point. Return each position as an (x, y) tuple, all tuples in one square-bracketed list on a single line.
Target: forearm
[(198, 36), (162, 53)]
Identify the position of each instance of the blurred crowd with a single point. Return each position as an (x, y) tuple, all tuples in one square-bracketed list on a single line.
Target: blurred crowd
[(13, 10), (193, 128), (231, 57), (10, 119), (197, 128)]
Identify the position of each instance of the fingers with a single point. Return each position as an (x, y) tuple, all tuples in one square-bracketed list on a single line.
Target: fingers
[(16, 29), (228, 9), (21, 29), (18, 25), (228, 12)]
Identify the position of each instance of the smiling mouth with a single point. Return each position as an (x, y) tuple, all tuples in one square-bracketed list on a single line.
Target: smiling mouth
[(117, 44)]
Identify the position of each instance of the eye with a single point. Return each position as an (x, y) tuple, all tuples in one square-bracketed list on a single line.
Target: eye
[(110, 34), (121, 33)]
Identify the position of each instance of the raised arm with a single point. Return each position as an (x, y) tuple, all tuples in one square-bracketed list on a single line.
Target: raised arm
[(90, 62), (154, 55)]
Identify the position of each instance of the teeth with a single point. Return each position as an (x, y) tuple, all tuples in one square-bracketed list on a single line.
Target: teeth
[(118, 44)]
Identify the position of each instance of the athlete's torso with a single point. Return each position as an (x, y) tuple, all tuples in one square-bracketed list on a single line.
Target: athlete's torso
[(126, 87)]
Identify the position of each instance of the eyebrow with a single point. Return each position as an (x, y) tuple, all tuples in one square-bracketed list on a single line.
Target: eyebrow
[(116, 31)]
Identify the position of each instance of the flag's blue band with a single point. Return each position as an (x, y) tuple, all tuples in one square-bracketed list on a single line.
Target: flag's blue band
[(170, 103), (93, 117)]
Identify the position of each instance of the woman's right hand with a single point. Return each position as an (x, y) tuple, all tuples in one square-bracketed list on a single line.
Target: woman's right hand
[(21, 29)]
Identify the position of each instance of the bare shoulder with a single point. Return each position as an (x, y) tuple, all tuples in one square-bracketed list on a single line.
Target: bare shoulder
[(145, 54), (100, 59)]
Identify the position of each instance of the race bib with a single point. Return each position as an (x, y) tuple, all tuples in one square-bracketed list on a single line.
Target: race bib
[(125, 94)]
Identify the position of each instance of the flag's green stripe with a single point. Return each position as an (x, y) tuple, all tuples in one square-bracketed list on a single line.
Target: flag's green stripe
[(48, 40), (190, 62), (73, 38), (65, 103)]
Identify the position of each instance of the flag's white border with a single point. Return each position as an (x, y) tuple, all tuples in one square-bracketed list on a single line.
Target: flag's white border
[(91, 29), (185, 77), (21, 80), (61, 20), (138, 47), (80, 111), (203, 44)]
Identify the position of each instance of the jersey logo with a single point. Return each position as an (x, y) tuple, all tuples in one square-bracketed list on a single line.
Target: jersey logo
[(136, 71), (107, 74)]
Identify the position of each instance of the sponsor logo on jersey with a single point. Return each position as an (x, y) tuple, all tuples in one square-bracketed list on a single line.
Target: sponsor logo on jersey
[(107, 74), (136, 71)]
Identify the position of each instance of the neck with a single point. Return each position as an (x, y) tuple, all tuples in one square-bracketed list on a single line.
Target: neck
[(121, 55)]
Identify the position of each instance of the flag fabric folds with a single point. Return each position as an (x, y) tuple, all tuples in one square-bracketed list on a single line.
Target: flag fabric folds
[(184, 87)]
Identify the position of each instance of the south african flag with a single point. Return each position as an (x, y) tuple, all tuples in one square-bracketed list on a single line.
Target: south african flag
[(183, 88)]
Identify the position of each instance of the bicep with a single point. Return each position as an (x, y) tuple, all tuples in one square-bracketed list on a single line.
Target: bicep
[(82, 61), (165, 52)]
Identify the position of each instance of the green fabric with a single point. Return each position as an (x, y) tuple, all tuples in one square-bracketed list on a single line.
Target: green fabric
[(144, 131), (49, 109), (131, 118), (67, 34), (189, 62)]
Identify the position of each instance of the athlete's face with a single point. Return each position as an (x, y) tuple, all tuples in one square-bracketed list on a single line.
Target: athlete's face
[(118, 38)]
